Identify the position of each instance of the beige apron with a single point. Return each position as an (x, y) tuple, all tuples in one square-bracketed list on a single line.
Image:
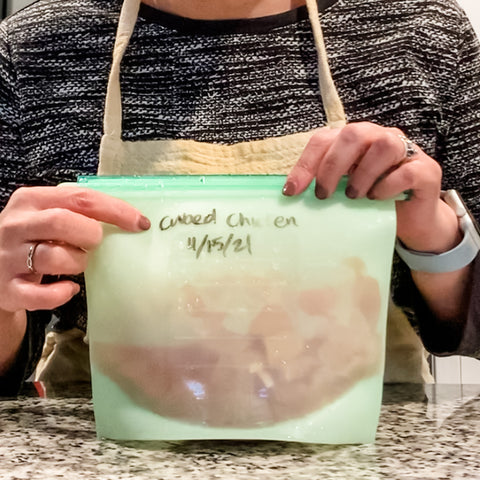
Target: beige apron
[(405, 356)]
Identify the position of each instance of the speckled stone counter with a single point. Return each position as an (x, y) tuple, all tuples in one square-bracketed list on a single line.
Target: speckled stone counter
[(431, 433)]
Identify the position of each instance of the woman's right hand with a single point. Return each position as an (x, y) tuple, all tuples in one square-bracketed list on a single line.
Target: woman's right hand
[(64, 225)]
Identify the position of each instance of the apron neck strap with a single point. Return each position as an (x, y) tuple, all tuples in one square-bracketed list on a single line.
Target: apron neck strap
[(332, 104), (112, 122)]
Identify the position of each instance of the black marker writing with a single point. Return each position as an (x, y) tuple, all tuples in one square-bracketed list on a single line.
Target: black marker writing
[(240, 220), (188, 219), (219, 244), (282, 222)]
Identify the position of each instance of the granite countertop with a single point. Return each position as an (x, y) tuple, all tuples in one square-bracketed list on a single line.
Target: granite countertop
[(430, 432)]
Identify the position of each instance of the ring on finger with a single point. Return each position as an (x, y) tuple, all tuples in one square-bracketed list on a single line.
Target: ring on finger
[(31, 253), (410, 149)]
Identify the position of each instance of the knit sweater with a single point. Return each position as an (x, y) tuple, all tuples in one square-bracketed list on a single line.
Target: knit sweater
[(413, 64)]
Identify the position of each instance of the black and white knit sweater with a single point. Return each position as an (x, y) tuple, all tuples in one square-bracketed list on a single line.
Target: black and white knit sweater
[(413, 64)]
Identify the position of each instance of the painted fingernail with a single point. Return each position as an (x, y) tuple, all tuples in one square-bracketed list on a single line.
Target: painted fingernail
[(408, 194), (351, 192), (289, 188), (320, 192), (144, 223)]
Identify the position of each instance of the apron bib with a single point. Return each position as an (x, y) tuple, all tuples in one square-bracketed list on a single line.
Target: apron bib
[(405, 359), (272, 155)]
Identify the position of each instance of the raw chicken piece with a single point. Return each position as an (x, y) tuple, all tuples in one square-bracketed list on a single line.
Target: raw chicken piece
[(267, 358)]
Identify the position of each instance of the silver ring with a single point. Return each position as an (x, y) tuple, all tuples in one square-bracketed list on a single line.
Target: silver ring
[(410, 149), (31, 253)]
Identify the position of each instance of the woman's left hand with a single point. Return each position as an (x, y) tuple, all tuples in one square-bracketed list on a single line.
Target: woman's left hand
[(375, 160)]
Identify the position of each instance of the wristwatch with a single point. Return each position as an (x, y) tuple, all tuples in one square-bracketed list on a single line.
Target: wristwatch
[(456, 258)]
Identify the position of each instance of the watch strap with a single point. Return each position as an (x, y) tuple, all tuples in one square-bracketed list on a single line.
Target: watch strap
[(454, 259)]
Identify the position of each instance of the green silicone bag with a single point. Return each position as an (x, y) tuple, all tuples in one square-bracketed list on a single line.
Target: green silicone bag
[(241, 313)]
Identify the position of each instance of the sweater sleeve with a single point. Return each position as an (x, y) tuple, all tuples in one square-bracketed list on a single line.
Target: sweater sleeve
[(9, 129), (12, 159), (465, 139), (459, 155), (11, 168)]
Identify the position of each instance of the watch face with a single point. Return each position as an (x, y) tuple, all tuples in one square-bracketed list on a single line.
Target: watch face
[(475, 230), (472, 218), (453, 198), (475, 224)]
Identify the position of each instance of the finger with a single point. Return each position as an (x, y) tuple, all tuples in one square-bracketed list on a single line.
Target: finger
[(343, 156), (305, 169), (383, 155), (57, 225), (59, 259), (36, 296), (393, 184), (422, 176), (85, 201)]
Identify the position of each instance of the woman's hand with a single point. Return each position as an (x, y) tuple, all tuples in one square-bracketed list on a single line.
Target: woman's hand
[(63, 225), (374, 158)]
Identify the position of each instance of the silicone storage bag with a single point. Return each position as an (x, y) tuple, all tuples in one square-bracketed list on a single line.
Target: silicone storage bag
[(241, 313)]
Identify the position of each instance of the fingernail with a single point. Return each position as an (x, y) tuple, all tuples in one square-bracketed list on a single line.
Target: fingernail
[(320, 192), (289, 188), (76, 290), (144, 223), (370, 196), (408, 194), (351, 192)]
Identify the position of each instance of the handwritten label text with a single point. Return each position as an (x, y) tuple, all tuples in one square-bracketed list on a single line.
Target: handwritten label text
[(231, 244)]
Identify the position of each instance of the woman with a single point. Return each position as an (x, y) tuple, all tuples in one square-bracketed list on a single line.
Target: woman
[(192, 70)]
